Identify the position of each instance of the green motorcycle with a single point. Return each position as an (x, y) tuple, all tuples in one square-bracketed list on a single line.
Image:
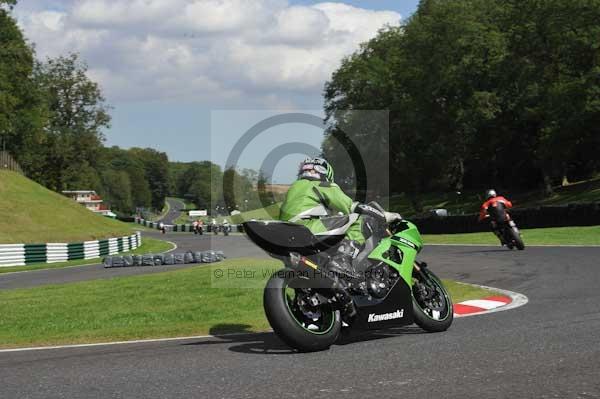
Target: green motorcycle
[(306, 304)]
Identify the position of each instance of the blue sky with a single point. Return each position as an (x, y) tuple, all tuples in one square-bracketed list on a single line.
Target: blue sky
[(182, 74)]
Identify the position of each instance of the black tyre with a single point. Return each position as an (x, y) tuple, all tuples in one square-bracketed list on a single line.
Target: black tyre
[(432, 306), (300, 327), (518, 241)]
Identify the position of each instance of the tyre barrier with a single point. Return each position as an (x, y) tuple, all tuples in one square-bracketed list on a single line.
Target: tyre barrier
[(163, 259), (25, 254), (182, 227)]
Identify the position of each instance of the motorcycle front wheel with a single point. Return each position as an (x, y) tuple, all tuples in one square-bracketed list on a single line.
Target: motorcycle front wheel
[(295, 322), (432, 306)]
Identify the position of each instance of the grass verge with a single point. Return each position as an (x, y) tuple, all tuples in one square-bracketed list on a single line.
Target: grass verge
[(149, 245), (176, 303), (267, 213), (583, 235), (182, 219)]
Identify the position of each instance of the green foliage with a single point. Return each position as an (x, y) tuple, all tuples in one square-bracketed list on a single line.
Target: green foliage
[(480, 93), (77, 115), (22, 107), (195, 183), (117, 187), (156, 168), (208, 186), (136, 184), (239, 190)]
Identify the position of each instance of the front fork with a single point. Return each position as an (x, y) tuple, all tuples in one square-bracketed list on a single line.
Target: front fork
[(420, 269), (425, 286)]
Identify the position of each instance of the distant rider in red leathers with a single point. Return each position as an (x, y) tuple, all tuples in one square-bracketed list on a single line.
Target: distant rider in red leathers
[(489, 206)]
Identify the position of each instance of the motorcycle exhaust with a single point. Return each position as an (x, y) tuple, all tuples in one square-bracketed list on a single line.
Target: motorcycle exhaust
[(314, 277)]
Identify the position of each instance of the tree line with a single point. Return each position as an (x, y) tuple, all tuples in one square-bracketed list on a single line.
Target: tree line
[(480, 93), (220, 191)]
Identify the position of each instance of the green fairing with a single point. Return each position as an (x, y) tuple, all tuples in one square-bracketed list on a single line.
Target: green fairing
[(410, 234)]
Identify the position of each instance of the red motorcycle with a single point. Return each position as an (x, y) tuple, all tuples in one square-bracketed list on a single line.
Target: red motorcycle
[(504, 226)]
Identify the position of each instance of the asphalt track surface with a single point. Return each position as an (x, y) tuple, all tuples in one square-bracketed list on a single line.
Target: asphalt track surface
[(175, 209), (549, 348)]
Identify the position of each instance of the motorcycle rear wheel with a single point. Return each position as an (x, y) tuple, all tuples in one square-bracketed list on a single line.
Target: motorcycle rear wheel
[(296, 326)]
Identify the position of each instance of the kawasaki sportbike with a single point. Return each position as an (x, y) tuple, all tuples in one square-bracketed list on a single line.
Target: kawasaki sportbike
[(306, 304)]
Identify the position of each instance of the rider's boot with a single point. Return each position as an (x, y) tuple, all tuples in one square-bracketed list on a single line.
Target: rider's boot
[(496, 231), (342, 296), (341, 262), (344, 274)]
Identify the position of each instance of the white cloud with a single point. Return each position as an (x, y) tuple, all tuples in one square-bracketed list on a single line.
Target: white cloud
[(219, 52), (302, 25)]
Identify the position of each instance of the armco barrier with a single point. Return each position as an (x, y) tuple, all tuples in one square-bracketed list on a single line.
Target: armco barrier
[(526, 218), (24, 254)]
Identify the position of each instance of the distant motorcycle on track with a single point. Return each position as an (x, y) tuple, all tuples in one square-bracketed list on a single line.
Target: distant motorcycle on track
[(505, 227), (226, 229), (495, 210)]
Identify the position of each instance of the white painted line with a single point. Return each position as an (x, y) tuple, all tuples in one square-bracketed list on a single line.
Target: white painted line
[(483, 303), (174, 246)]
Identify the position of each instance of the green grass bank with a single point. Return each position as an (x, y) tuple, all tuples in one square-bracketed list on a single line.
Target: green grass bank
[(30, 213)]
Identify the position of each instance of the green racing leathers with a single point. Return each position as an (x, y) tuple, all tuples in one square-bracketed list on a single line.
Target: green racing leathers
[(310, 202)]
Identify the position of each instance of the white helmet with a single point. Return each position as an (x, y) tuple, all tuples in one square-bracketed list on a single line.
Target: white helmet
[(491, 193), (316, 168)]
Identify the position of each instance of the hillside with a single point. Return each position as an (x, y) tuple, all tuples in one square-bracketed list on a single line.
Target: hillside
[(30, 213)]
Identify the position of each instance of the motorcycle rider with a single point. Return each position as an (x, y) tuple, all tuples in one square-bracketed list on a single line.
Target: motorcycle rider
[(226, 226), (315, 201), (492, 199)]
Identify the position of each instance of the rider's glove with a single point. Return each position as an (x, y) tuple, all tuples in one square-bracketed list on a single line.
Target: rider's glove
[(392, 217), (365, 209)]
